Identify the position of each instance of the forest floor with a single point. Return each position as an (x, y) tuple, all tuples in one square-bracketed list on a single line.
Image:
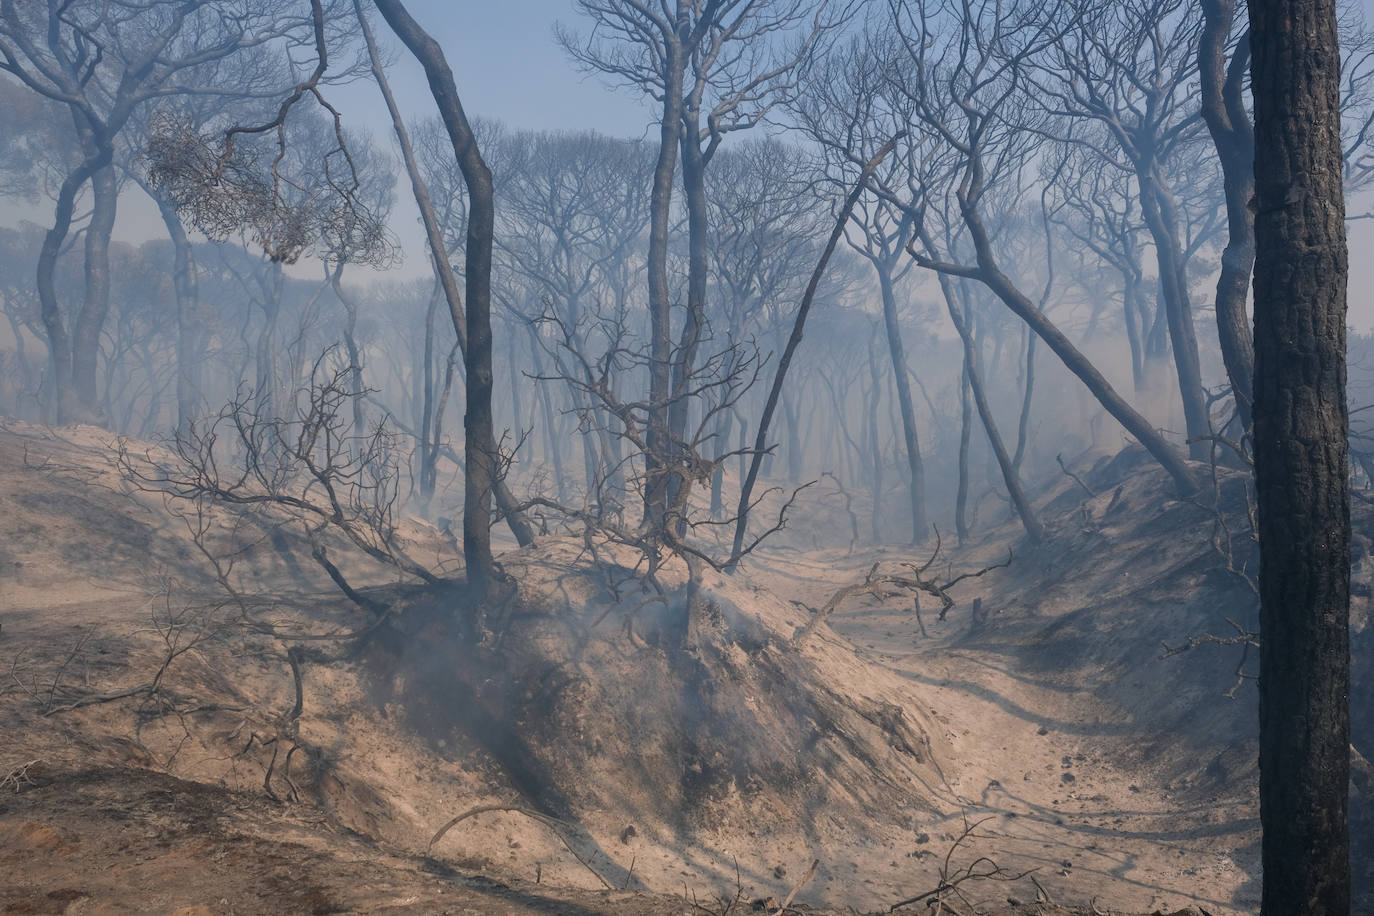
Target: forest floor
[(1038, 712)]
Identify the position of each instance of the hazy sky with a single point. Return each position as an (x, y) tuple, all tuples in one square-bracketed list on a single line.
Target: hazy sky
[(507, 65)]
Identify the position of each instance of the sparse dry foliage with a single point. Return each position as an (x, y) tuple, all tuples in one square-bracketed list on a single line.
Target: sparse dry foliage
[(308, 466)]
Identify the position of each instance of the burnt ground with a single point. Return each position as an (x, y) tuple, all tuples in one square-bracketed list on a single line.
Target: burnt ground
[(1096, 771)]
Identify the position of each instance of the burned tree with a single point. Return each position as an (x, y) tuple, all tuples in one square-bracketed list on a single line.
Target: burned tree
[(1301, 428), (482, 463), (103, 64), (1129, 68), (715, 66), (962, 73)]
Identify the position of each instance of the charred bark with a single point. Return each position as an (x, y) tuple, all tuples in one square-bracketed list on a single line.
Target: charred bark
[(1301, 426), (481, 459)]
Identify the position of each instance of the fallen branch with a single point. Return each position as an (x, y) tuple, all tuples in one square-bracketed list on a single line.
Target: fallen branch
[(894, 584), (1072, 476), (799, 885), (19, 776), (980, 869), (552, 823)]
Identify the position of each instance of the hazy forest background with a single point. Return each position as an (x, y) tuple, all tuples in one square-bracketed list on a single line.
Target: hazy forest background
[(879, 399)]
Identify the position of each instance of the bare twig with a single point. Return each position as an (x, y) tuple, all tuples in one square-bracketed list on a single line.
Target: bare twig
[(1072, 476)]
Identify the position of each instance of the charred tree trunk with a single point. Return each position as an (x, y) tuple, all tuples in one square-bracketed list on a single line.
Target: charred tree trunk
[(355, 366), (1027, 396), (481, 459), (722, 442), (873, 398), (989, 274), (265, 348), (554, 443), (1223, 108), (793, 341), (658, 435), (1301, 426), (446, 95), (59, 340), (965, 438), (90, 321), (429, 458), (694, 194), (1137, 327), (1157, 206)]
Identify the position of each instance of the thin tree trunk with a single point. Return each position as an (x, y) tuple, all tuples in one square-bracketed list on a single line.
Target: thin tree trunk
[(1223, 108), (482, 463), (794, 341), (962, 320), (965, 437), (1027, 395), (90, 321), (916, 481), (1136, 329), (722, 440), (694, 195), (428, 452), (553, 442), (1301, 470), (355, 368), (482, 477), (190, 334), (988, 273), (794, 446), (265, 348), (658, 436), (59, 340), (1156, 205), (875, 445)]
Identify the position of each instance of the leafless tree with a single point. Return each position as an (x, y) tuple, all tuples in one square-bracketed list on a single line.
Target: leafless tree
[(715, 66), (962, 71), (103, 63), (1129, 69)]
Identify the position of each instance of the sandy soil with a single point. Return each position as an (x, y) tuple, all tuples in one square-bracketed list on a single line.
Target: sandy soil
[(1045, 717)]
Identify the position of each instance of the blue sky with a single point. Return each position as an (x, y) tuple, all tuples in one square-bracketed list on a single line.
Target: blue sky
[(508, 66)]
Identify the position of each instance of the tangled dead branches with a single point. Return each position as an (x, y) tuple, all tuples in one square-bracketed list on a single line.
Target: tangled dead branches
[(892, 584)]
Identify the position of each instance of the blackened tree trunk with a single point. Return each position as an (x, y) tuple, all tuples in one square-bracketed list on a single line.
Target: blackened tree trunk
[(443, 270), (59, 339), (694, 195), (793, 341), (1223, 108), (1301, 426), (1027, 400), (355, 363), (1161, 217), (481, 458), (656, 484), (965, 437), (990, 275)]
